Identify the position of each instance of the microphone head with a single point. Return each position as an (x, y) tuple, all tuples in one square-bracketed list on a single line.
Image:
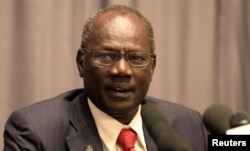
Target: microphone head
[(216, 118), (239, 119), (161, 130)]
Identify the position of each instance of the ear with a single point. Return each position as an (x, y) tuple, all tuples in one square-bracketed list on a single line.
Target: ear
[(80, 62), (153, 63)]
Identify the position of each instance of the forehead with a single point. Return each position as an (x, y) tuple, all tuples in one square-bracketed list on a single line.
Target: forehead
[(120, 18), (114, 14), (123, 26)]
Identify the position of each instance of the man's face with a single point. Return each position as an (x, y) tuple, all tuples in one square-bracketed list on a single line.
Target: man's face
[(119, 88)]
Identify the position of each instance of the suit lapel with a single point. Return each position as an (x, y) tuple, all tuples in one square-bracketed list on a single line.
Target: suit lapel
[(85, 132), (150, 144)]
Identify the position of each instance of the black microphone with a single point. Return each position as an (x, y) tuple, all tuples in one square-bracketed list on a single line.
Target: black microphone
[(239, 124), (160, 130), (239, 119), (216, 118)]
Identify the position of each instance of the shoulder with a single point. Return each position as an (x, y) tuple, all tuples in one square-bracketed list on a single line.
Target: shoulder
[(40, 123), (178, 115), (56, 108), (58, 102), (172, 109)]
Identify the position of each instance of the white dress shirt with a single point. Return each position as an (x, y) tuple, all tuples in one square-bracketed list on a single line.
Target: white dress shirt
[(109, 129)]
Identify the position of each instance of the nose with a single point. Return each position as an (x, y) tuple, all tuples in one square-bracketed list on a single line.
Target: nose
[(121, 68)]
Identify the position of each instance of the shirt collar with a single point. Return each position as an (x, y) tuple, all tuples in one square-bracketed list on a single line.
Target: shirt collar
[(109, 128)]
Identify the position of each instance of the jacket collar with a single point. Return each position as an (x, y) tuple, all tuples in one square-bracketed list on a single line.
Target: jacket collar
[(85, 132)]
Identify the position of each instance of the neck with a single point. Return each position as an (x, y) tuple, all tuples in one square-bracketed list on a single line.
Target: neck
[(125, 118)]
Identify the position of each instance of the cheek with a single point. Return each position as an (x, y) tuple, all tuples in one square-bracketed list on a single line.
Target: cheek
[(93, 75), (145, 74), (90, 74), (143, 79)]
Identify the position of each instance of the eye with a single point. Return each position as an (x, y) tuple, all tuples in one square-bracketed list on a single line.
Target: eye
[(105, 56), (137, 58)]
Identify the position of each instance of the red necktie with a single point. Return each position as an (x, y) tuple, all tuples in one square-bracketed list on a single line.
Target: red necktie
[(126, 139)]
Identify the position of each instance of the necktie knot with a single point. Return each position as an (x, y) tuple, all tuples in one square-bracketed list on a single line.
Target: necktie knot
[(126, 139)]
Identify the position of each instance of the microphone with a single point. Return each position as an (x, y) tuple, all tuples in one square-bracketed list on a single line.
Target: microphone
[(239, 119), (160, 130), (240, 124), (216, 118)]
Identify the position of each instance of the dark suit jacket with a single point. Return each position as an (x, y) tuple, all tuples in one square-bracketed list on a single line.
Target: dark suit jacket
[(65, 123)]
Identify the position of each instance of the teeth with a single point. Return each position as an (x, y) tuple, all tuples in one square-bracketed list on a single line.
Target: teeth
[(119, 89)]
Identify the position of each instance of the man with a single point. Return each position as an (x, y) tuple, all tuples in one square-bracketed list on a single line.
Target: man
[(116, 61)]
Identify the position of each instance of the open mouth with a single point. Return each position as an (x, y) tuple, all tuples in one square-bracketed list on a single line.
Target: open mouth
[(119, 91), (122, 90)]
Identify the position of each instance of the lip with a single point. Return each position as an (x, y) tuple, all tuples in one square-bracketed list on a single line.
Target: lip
[(119, 91)]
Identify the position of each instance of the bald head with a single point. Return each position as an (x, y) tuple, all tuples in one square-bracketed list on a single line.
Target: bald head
[(116, 12), (126, 28)]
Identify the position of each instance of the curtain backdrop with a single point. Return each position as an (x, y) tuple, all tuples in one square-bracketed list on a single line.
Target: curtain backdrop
[(203, 50)]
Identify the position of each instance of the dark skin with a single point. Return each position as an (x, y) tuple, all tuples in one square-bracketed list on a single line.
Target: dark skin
[(117, 89)]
